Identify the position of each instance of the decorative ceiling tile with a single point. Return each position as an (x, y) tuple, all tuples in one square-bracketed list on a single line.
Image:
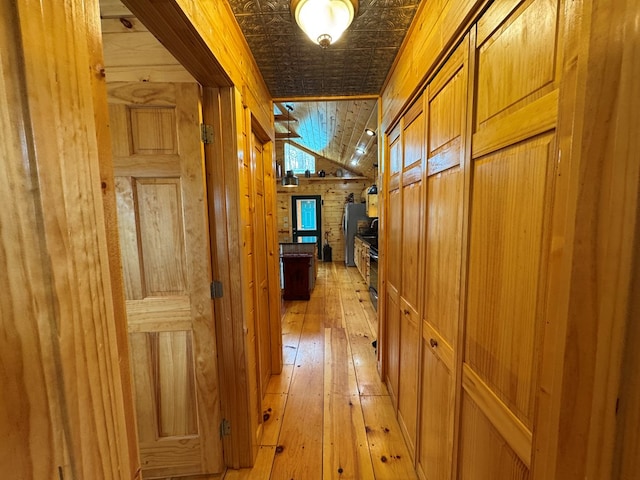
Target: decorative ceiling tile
[(356, 65)]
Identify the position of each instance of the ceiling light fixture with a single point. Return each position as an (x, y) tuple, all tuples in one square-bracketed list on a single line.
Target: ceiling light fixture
[(289, 180), (369, 132), (360, 150), (324, 21)]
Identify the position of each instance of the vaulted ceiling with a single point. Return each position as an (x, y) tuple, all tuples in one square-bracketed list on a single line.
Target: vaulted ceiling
[(313, 81)]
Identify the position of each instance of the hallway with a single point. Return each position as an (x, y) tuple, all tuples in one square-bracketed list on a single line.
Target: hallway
[(329, 414)]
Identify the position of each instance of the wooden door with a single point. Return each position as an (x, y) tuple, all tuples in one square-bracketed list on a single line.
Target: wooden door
[(411, 268), (263, 332), (443, 237), (162, 216), (517, 53), (392, 258)]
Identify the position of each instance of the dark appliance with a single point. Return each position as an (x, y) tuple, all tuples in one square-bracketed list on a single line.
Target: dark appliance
[(355, 215), (373, 276)]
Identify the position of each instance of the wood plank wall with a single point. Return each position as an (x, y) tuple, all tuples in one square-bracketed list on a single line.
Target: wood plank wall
[(64, 402), (334, 195), (540, 162)]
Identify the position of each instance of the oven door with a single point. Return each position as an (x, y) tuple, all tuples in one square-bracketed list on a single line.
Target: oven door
[(373, 277)]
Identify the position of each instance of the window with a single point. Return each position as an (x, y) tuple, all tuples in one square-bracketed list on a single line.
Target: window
[(298, 160)]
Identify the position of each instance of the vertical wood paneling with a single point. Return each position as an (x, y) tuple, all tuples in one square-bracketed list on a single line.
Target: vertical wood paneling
[(503, 319), (63, 411), (484, 454), (504, 80), (436, 404), (443, 250)]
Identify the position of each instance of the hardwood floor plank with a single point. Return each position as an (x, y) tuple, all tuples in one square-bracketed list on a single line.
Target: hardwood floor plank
[(261, 469), (329, 414), (361, 338), (389, 453), (299, 451), (291, 328), (345, 448), (273, 405), (280, 383)]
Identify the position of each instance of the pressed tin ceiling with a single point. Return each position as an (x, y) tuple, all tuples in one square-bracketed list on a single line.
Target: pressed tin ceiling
[(294, 66)]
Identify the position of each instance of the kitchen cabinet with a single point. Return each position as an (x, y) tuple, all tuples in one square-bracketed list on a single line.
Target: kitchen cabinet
[(372, 205), (361, 254)]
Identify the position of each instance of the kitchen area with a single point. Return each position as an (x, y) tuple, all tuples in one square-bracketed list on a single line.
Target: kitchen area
[(361, 245)]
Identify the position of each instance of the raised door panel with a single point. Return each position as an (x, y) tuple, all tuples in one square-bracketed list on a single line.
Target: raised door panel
[(517, 73), (263, 331), (443, 239), (436, 420), (487, 455), (503, 320), (411, 243), (393, 251), (164, 243), (408, 378), (518, 50), (393, 342)]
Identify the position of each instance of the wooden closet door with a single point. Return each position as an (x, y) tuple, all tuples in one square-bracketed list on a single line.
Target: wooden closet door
[(517, 54), (410, 268), (392, 258), (446, 126), (162, 217)]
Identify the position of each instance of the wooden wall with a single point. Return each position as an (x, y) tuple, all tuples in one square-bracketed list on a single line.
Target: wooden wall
[(66, 405), (334, 194), (524, 381)]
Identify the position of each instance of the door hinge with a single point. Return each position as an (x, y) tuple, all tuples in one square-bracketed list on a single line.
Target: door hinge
[(216, 289), (206, 133), (225, 428)]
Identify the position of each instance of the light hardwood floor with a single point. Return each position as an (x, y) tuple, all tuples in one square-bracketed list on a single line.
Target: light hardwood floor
[(329, 414)]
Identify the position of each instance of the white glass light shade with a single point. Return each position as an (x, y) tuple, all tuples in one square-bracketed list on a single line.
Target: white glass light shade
[(324, 21)]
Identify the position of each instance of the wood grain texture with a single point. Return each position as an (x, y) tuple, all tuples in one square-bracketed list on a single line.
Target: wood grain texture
[(334, 195), (60, 358), (484, 454), (510, 190), (434, 32), (176, 371)]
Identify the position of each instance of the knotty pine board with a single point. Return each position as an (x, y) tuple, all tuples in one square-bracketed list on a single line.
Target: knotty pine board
[(345, 450), (389, 453)]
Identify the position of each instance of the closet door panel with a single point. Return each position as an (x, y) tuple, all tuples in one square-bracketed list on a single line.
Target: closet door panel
[(504, 271), (487, 455)]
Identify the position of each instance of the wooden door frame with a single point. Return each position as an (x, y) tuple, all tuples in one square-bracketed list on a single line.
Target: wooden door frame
[(223, 104), (318, 199), (181, 29)]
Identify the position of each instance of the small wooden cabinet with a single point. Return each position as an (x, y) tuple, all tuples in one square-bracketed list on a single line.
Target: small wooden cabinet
[(296, 276)]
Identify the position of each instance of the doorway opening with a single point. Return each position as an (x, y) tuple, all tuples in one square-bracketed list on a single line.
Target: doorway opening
[(306, 213)]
